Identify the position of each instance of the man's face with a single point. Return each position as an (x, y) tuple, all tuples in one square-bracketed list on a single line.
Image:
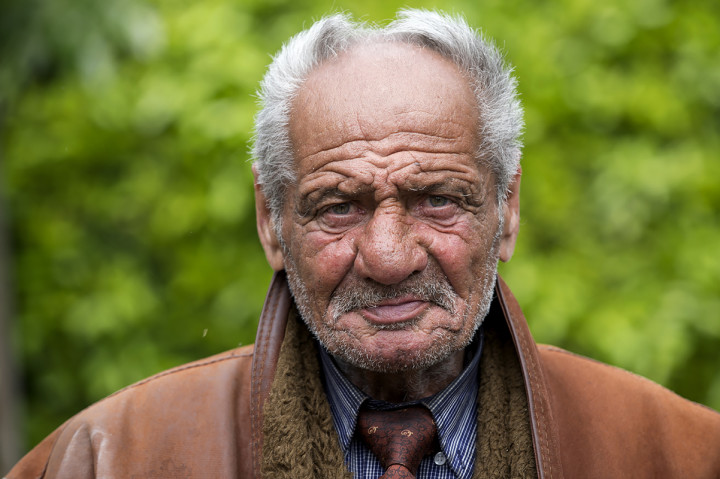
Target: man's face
[(391, 233)]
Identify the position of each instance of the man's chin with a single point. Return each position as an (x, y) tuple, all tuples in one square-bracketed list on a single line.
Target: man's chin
[(391, 360)]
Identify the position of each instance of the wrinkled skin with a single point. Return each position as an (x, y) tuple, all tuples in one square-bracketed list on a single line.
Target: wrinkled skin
[(389, 199)]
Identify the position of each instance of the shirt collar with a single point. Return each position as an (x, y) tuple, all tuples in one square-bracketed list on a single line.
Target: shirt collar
[(453, 408)]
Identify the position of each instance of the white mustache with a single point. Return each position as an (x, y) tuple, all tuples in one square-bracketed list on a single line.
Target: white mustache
[(364, 294)]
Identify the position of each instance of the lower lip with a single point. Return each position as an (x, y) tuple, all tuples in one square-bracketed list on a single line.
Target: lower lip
[(394, 313)]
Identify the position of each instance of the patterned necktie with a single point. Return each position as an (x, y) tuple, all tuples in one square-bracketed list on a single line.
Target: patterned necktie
[(399, 438)]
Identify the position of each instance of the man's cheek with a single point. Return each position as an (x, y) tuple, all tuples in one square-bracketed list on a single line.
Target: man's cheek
[(454, 256), (333, 259)]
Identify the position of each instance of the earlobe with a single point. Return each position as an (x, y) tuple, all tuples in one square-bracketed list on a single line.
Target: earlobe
[(266, 228), (511, 212)]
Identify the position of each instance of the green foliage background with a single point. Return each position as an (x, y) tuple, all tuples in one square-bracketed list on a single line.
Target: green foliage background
[(124, 167)]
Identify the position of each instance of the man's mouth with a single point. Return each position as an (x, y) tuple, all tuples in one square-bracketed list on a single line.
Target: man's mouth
[(395, 310), (388, 305)]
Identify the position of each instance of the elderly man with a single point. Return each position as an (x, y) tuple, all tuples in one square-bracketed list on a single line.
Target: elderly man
[(387, 189)]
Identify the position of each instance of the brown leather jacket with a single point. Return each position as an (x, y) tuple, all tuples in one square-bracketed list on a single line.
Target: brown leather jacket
[(204, 419)]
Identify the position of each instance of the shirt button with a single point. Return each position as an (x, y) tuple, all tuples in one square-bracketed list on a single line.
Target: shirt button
[(440, 458)]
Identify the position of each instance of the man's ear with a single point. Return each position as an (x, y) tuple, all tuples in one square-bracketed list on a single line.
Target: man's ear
[(266, 228), (511, 212)]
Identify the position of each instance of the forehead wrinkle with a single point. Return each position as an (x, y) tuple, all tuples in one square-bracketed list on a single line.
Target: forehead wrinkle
[(387, 176), (386, 146), (442, 164), (347, 167), (334, 173)]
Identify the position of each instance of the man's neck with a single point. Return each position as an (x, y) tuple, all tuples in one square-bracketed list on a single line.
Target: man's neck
[(407, 385)]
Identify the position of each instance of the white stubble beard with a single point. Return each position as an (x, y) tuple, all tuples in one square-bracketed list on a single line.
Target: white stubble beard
[(339, 346)]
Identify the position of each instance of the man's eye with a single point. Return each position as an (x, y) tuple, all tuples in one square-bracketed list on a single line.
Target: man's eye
[(437, 201), (340, 209), (339, 217)]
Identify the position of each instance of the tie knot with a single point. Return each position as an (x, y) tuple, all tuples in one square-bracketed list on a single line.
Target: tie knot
[(400, 437)]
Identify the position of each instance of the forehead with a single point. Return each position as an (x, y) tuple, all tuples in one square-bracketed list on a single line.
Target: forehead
[(375, 91)]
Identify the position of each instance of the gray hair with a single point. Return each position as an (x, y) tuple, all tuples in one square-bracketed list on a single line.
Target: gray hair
[(501, 115)]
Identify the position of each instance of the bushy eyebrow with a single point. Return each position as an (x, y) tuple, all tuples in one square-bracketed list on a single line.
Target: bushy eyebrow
[(307, 202), (471, 193), (441, 188)]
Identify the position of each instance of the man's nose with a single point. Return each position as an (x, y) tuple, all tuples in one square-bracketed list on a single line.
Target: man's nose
[(388, 251)]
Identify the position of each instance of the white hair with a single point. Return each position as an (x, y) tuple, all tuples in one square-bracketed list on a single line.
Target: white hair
[(501, 115)]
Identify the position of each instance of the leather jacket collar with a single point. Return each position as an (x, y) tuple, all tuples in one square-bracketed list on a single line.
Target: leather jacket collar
[(271, 331)]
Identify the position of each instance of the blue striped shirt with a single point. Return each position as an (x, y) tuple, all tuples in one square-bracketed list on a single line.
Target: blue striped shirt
[(453, 408)]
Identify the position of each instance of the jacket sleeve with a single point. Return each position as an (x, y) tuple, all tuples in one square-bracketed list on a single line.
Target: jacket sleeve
[(191, 421), (613, 423), (63, 454)]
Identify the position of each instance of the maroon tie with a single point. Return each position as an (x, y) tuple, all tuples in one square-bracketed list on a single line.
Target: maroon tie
[(399, 438)]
